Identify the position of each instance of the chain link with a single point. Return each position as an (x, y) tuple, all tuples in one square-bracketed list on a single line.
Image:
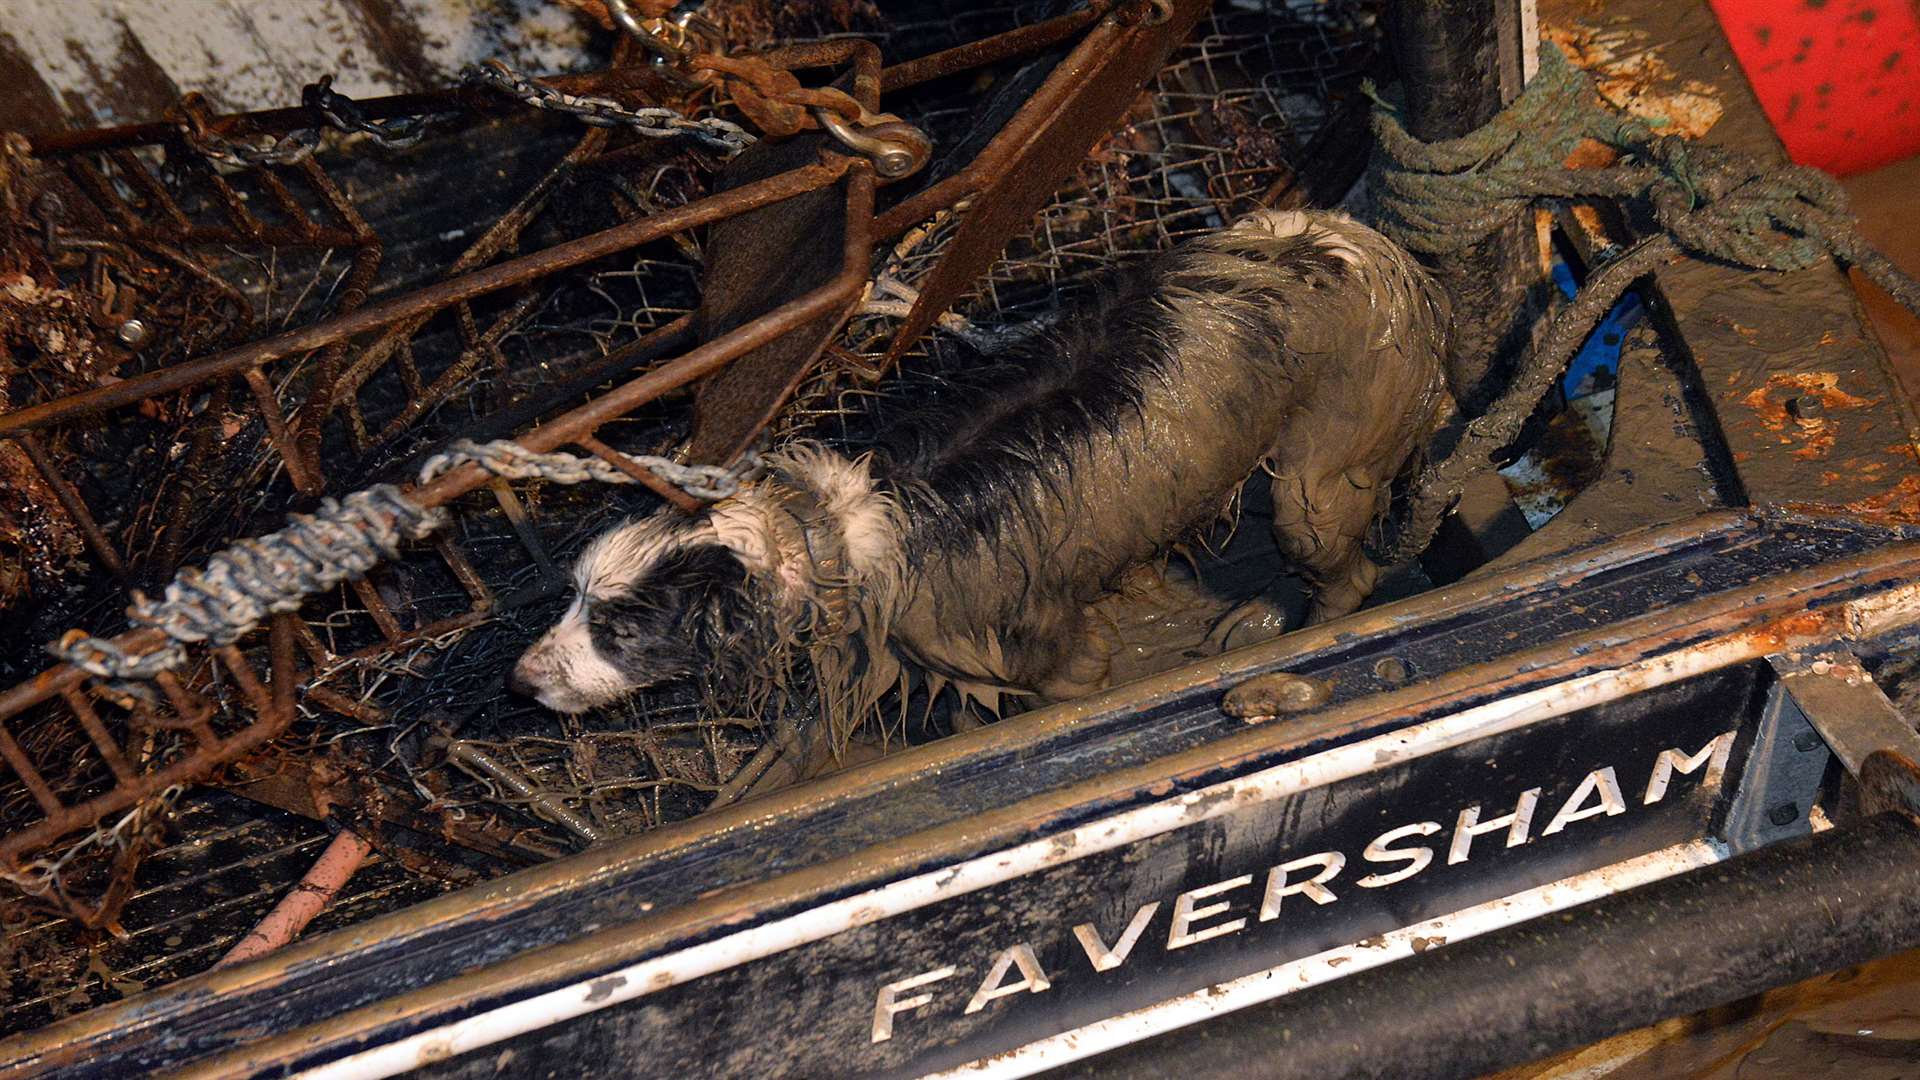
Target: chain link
[(345, 114), (653, 122), (339, 111), (290, 149)]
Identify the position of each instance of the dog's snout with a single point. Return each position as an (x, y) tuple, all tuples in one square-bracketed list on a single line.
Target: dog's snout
[(518, 683)]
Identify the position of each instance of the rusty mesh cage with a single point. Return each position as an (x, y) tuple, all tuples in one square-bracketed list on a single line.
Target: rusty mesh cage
[(197, 349)]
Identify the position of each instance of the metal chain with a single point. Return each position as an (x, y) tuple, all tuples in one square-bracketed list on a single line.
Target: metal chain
[(346, 115), (339, 111), (653, 122), (508, 459), (289, 149)]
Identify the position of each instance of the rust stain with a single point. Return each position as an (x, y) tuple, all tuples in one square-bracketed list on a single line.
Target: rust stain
[(1795, 407), (1633, 77), (1899, 505), (1589, 219), (1592, 154), (1784, 633)]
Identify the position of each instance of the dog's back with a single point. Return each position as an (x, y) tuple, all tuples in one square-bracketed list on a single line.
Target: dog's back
[(1302, 340), (973, 538)]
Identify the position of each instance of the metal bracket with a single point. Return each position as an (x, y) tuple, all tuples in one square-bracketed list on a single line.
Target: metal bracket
[(1862, 727), (1774, 796)]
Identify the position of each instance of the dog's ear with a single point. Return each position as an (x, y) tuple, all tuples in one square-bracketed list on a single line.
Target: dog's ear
[(669, 623)]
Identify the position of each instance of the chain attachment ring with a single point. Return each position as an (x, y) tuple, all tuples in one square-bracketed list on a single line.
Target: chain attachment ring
[(895, 147)]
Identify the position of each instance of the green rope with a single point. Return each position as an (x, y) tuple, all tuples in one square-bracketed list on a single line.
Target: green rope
[(1445, 197)]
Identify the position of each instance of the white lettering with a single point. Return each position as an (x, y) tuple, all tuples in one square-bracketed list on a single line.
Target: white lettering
[(1600, 780), (889, 1002), (1031, 977), (1470, 826), (1672, 761), (1105, 959), (1380, 851), (1182, 933), (1313, 888)]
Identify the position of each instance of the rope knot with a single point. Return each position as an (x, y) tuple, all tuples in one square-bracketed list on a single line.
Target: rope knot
[(1445, 197)]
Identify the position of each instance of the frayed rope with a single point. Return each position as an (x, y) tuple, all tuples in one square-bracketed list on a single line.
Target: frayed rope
[(343, 540), (1444, 197)]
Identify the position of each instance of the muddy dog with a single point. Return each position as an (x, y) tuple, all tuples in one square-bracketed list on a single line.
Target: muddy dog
[(970, 541)]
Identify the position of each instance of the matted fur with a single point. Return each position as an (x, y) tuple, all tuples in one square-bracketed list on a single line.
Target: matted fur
[(971, 540)]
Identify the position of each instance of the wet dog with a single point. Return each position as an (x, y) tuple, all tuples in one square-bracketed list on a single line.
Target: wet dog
[(970, 541)]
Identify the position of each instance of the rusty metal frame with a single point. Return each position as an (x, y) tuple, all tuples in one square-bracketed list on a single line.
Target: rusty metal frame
[(295, 434)]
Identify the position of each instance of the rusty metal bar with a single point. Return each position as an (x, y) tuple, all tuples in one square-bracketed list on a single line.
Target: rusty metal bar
[(1013, 139), (76, 507), (283, 672), (707, 358), (1017, 42), (230, 200), (516, 516), (680, 499), (156, 193), (464, 572), (192, 709), (283, 199), (345, 706), (377, 608), (425, 633), (306, 481), (1082, 98), (94, 183), (243, 676), (190, 767), (432, 297), (76, 700), (28, 774)]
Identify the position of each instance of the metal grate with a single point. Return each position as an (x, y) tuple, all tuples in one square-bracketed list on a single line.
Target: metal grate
[(383, 698)]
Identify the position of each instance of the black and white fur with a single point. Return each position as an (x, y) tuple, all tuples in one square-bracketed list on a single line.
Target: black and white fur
[(971, 541)]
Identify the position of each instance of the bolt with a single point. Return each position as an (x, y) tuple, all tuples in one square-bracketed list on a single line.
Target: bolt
[(1392, 669), (133, 333), (1807, 407), (1806, 741), (1784, 814), (893, 163)]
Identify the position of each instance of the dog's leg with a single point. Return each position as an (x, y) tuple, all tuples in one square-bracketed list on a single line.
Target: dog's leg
[(1320, 525), (1079, 646)]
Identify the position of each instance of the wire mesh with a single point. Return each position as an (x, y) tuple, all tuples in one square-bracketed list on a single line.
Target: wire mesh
[(402, 712)]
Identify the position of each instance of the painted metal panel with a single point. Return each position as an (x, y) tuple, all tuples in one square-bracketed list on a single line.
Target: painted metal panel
[(1582, 640)]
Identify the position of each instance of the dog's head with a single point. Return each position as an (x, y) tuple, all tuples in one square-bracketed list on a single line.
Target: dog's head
[(655, 600)]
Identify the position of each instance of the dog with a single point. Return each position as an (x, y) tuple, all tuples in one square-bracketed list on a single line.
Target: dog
[(970, 540)]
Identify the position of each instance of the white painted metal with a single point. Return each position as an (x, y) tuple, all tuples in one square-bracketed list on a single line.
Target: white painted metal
[(246, 55)]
